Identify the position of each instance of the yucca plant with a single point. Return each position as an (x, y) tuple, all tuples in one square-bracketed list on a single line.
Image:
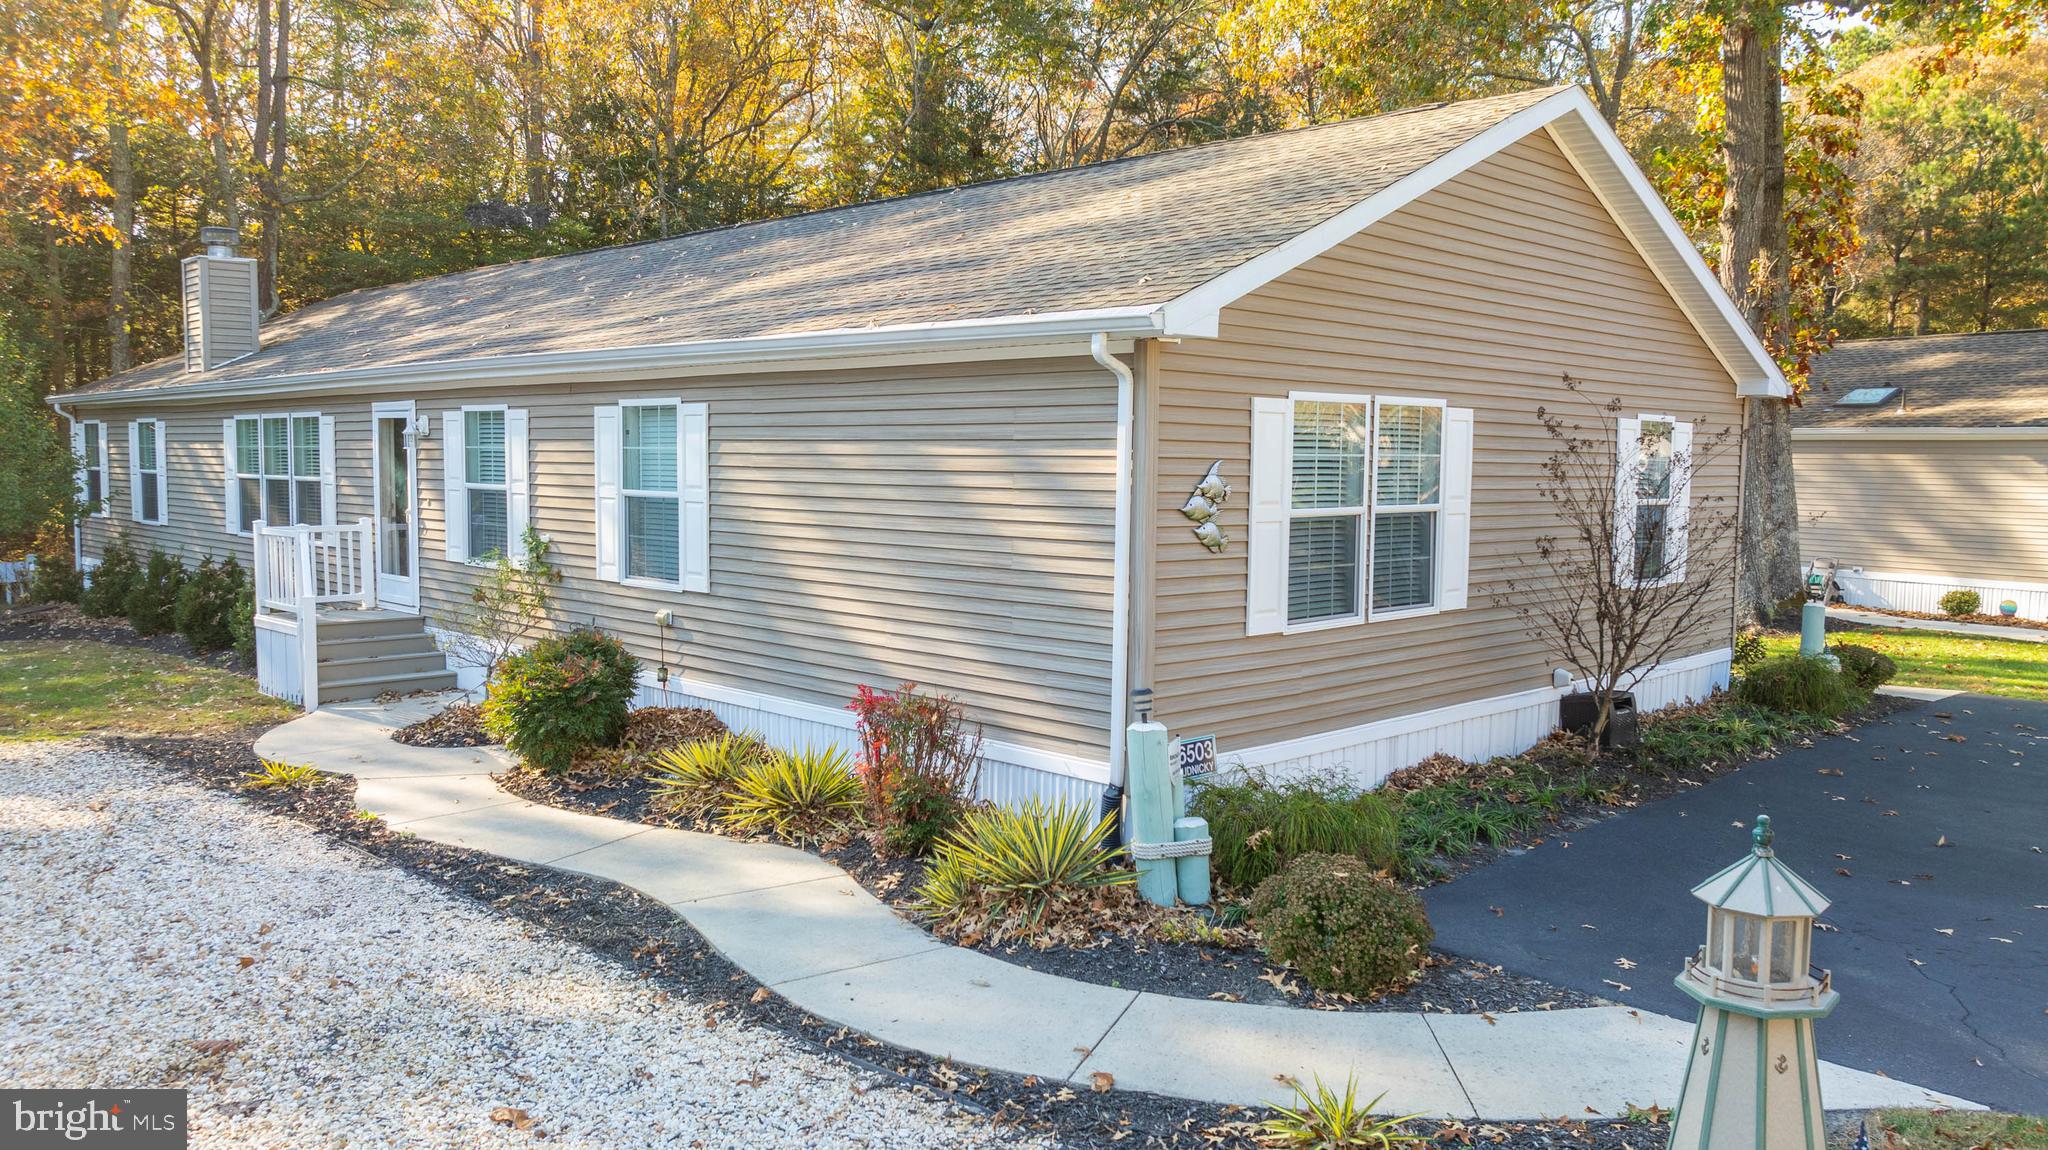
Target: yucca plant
[(702, 776), (804, 796), (1326, 1121), (282, 776), (1019, 860)]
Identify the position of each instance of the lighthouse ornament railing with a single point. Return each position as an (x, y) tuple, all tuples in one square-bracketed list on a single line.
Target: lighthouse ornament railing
[(1752, 1079)]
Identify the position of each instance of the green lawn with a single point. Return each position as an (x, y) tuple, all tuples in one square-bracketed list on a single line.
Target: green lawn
[(58, 690), (1956, 1130), (1949, 662)]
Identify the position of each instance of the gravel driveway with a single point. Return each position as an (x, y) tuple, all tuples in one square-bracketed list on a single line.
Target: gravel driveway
[(155, 934)]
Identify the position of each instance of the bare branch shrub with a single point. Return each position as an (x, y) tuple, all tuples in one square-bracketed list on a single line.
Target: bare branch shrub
[(1605, 599), (509, 606)]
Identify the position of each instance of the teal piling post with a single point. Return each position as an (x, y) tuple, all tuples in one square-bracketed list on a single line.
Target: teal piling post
[(1150, 778), (1813, 629), (1192, 871)]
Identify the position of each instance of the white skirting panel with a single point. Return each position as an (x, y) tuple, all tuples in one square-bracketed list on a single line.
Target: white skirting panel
[(278, 667), (1009, 773), (1364, 755), (1914, 591)]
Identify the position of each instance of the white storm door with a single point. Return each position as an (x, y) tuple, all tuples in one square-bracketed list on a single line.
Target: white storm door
[(396, 465)]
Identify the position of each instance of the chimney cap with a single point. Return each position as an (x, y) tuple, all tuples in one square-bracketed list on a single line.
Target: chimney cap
[(219, 241)]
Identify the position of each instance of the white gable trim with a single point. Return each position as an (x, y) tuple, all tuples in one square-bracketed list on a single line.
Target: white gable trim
[(1599, 157)]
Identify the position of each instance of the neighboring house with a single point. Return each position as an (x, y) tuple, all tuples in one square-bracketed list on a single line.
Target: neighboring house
[(946, 438), (1922, 465)]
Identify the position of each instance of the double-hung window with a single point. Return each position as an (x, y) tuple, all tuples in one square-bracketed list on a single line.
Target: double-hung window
[(1653, 501), (648, 487), (1653, 455), (653, 493), (90, 442), (1361, 510), (277, 470), (483, 474), (1407, 497), (147, 442)]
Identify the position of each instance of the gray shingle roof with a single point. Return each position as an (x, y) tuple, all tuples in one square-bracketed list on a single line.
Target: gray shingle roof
[(1133, 232), (1985, 379)]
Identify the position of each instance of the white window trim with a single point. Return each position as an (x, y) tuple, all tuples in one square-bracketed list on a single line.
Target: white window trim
[(291, 476), (470, 557), (1679, 499), (105, 510), (158, 477), (1362, 610), (1436, 544), (626, 493)]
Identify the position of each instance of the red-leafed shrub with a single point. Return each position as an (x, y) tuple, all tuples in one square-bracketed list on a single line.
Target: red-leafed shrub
[(919, 759)]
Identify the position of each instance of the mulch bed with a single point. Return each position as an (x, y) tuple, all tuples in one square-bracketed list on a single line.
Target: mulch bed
[(647, 938), (1180, 969), (64, 622), (461, 725)]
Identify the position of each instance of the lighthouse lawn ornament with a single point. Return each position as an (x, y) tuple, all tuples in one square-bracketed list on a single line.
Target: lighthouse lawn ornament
[(1752, 1079)]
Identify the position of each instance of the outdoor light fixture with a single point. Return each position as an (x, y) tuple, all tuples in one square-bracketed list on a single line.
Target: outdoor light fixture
[(1753, 1080)]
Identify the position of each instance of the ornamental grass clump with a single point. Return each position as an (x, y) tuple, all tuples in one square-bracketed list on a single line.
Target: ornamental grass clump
[(804, 796), (1798, 684), (1346, 927), (1259, 827), (701, 777), (1014, 872), (1326, 1120), (565, 694)]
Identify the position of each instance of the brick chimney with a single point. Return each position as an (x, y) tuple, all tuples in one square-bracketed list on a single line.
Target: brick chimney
[(220, 303)]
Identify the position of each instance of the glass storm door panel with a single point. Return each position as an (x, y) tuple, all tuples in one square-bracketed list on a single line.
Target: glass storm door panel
[(397, 545)]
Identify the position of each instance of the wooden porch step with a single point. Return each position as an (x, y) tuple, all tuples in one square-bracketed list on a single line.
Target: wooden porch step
[(371, 646), (348, 670), (369, 624), (372, 686)]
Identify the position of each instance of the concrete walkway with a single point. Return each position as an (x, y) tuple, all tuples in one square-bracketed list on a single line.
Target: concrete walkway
[(1953, 627), (803, 927)]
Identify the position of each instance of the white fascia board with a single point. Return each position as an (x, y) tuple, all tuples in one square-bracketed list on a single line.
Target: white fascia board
[(1052, 333), (1598, 155), (1913, 433)]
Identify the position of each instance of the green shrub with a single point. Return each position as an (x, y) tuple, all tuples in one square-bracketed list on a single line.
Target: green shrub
[(1797, 684), (804, 797), (242, 623), (701, 776), (919, 759), (564, 694), (56, 578), (1346, 928), (1259, 827), (205, 612), (153, 598), (1961, 603), (1003, 870), (106, 593), (1750, 648), (1865, 668), (1712, 734)]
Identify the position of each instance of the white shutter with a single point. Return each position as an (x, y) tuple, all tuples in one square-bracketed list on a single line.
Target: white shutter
[(605, 443), (327, 470), (231, 486), (1681, 502), (693, 455), (454, 495), (518, 490), (1628, 462), (1455, 565), (134, 473), (163, 476), (1265, 609), (78, 453)]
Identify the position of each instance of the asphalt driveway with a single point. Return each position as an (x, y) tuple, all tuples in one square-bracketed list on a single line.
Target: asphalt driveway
[(1928, 832)]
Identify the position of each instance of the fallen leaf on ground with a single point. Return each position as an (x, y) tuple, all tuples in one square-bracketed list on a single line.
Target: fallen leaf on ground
[(511, 1116), (1625, 963), (1617, 985), (1102, 1081), (1947, 930), (216, 1045), (752, 1081)]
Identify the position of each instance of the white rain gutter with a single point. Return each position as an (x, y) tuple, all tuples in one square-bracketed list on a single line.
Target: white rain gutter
[(1120, 563), (653, 361)]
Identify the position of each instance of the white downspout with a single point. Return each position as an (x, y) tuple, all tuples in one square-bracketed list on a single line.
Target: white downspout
[(1120, 581)]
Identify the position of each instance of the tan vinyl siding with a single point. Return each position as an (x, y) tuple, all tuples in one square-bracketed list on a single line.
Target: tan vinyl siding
[(1483, 293), (947, 525), (1960, 508)]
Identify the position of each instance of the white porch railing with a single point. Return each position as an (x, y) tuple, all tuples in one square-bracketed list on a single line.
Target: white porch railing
[(297, 570)]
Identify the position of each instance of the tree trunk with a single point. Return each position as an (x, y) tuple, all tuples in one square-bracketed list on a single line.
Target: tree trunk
[(1755, 273), (533, 126), (121, 179)]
